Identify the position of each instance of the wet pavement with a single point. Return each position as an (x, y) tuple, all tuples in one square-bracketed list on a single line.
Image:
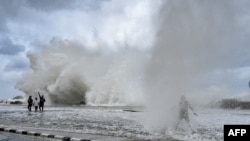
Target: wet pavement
[(117, 123)]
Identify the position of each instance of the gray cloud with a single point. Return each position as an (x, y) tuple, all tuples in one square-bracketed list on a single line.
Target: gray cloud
[(48, 5), (8, 8), (30, 11), (17, 64), (7, 47), (3, 28)]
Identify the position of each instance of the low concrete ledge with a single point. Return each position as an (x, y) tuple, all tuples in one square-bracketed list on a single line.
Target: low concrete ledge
[(1, 128), (19, 131), (22, 132), (50, 136), (12, 130), (9, 130), (58, 137), (25, 132), (63, 138), (77, 139), (34, 133), (66, 138), (6, 129), (44, 135), (47, 135)]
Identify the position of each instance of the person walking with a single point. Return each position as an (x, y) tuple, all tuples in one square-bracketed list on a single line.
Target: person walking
[(41, 103), (183, 113), (30, 102)]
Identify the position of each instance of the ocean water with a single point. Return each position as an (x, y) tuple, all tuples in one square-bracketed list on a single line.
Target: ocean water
[(121, 121)]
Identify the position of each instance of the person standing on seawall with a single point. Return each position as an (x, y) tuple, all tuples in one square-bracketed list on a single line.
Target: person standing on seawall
[(41, 103), (30, 102)]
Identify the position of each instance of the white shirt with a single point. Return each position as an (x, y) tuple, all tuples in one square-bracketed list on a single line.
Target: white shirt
[(35, 103)]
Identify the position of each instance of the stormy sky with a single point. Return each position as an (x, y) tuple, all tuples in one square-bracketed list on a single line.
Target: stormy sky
[(29, 25)]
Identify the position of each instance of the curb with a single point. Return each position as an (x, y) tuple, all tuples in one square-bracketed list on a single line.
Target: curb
[(43, 135)]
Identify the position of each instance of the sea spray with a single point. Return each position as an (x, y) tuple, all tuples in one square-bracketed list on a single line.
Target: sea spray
[(53, 72), (192, 43), (67, 73), (121, 85)]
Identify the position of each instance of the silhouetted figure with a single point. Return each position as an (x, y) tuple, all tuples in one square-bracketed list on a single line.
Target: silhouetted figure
[(41, 103), (36, 104), (184, 106), (30, 102)]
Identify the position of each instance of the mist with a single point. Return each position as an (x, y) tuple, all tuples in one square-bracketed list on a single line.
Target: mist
[(195, 40)]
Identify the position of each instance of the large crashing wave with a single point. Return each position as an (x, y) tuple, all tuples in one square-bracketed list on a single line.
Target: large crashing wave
[(67, 73)]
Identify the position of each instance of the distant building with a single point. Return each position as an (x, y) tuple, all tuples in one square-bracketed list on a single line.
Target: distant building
[(234, 103)]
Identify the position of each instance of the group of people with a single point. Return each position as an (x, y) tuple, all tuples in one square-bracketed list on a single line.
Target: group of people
[(37, 104)]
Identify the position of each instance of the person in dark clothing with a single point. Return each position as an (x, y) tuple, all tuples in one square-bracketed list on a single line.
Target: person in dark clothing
[(30, 102), (184, 106), (41, 103)]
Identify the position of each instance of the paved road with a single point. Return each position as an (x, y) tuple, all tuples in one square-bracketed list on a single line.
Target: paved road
[(15, 137)]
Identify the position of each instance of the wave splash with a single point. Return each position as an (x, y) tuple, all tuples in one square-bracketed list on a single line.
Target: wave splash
[(67, 74)]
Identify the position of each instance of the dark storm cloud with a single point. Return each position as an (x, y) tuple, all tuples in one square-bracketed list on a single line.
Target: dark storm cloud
[(7, 47)]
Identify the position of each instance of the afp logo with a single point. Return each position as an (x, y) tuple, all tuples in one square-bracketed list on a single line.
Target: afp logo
[(236, 132)]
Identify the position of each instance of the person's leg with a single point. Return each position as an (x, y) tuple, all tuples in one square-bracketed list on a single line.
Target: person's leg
[(29, 107), (188, 122), (179, 121), (177, 125), (181, 116), (42, 106)]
